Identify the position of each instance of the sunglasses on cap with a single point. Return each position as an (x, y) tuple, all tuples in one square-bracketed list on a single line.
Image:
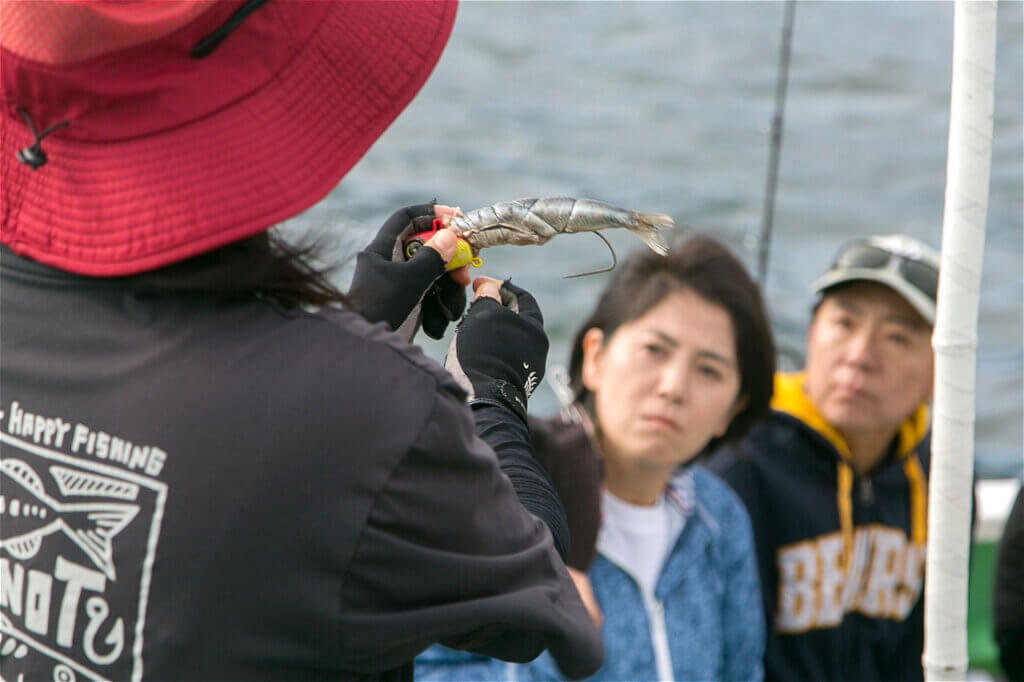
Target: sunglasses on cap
[(915, 271)]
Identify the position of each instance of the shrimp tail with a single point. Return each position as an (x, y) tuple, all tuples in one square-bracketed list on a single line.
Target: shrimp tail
[(648, 228)]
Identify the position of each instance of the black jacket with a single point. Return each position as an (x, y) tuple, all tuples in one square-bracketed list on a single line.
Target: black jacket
[(1008, 593), (206, 491)]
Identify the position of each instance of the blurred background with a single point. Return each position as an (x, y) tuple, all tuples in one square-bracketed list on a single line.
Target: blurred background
[(667, 107)]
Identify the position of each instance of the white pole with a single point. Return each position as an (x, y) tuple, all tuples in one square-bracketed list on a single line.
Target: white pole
[(955, 339)]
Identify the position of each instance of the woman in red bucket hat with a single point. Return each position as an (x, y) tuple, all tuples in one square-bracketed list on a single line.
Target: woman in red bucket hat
[(212, 468)]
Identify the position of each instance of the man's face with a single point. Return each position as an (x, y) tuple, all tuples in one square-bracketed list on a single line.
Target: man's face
[(869, 359)]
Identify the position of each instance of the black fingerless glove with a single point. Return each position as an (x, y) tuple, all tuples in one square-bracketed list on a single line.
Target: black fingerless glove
[(499, 350), (405, 294)]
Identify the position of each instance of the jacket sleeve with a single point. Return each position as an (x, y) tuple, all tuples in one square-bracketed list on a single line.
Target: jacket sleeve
[(509, 437), (448, 554), (743, 648)]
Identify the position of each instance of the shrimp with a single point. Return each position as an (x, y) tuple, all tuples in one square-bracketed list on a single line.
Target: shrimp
[(535, 221)]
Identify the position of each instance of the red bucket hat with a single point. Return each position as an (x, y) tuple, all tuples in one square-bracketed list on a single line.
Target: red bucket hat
[(137, 134)]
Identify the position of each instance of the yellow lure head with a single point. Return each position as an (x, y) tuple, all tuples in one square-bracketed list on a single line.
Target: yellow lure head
[(463, 256)]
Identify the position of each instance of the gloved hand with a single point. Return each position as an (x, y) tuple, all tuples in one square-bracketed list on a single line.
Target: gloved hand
[(499, 349), (388, 288)]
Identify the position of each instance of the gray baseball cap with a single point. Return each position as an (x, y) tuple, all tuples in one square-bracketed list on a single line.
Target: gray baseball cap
[(904, 264)]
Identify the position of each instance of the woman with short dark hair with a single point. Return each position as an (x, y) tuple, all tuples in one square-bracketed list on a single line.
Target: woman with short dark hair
[(707, 268), (676, 358)]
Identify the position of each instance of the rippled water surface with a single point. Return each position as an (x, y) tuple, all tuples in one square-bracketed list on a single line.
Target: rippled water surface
[(667, 107)]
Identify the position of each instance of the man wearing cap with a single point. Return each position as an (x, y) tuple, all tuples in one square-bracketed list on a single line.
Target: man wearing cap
[(835, 479), (212, 467)]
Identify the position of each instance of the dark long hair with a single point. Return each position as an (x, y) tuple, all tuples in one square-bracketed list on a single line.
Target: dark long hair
[(709, 269), (263, 265)]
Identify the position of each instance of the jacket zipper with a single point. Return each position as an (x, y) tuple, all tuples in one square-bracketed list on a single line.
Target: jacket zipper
[(659, 632), (655, 609), (659, 638)]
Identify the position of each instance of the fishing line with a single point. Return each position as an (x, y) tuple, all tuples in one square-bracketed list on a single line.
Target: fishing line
[(781, 81)]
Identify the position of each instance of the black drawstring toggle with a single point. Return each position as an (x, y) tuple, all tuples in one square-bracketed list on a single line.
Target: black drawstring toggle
[(33, 156)]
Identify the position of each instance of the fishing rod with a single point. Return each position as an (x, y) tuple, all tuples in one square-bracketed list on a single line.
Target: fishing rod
[(781, 81)]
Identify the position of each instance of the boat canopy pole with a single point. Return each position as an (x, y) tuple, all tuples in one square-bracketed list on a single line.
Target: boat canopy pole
[(968, 165)]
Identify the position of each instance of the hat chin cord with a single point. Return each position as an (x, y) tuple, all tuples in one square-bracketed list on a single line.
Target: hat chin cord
[(33, 155), (208, 44)]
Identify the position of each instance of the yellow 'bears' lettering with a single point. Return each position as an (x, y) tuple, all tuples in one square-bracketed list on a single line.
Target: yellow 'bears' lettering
[(880, 591), (798, 577), (883, 580)]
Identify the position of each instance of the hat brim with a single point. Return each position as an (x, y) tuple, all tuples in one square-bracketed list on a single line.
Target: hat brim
[(917, 300), (131, 206)]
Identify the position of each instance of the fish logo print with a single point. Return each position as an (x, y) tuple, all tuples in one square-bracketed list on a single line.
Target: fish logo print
[(29, 514), (77, 541), (531, 381)]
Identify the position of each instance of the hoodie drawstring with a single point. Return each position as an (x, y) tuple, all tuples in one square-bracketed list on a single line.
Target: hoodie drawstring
[(918, 498), (918, 503), (844, 500)]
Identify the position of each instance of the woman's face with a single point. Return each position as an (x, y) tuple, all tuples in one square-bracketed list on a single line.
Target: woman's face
[(665, 383)]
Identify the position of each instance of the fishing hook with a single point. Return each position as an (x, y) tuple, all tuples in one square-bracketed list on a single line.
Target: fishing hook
[(611, 267)]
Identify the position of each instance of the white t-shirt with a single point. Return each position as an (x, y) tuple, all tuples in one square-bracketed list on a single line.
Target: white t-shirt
[(639, 538)]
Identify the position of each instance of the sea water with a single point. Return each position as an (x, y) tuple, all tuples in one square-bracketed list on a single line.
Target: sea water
[(667, 107)]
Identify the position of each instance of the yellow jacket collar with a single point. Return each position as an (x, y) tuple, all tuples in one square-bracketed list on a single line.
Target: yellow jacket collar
[(789, 397)]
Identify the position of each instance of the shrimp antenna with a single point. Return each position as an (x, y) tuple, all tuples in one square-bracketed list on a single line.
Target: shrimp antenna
[(611, 267)]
